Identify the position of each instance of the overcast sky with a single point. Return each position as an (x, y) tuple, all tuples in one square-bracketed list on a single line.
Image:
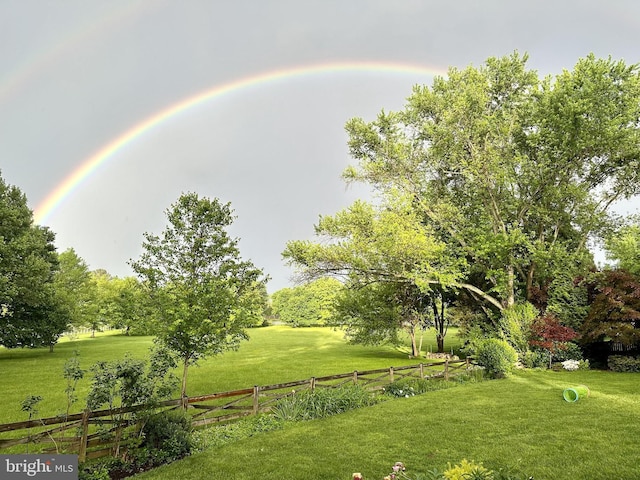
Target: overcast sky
[(75, 75)]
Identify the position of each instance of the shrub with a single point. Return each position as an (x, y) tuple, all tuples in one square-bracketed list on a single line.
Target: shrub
[(567, 351), (167, 438), (497, 356), (623, 363), (322, 402), (535, 359), (466, 470)]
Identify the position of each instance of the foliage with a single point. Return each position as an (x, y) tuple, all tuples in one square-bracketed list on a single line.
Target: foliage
[(243, 428), (515, 325), (322, 402), (614, 312), (496, 355), (467, 470), (72, 373), (203, 291), (130, 381), (166, 438), (534, 358), (29, 311), (547, 333), (623, 363), (624, 248), (513, 173), (123, 303), (76, 291), (381, 250), (568, 351), (415, 386), (308, 304)]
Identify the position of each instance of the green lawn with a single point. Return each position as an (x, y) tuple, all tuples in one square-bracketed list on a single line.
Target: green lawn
[(521, 422), (273, 355)]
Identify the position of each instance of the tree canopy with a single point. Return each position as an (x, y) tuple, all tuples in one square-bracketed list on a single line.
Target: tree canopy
[(506, 179), (511, 170), (29, 314)]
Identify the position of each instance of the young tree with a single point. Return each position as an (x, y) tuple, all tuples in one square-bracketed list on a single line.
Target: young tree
[(29, 315), (549, 334), (203, 291)]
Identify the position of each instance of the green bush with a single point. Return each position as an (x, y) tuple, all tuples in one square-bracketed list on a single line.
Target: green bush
[(497, 356), (569, 351), (167, 437), (535, 359), (623, 363), (322, 402)]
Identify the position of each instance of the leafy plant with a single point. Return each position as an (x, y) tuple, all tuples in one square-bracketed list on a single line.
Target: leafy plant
[(322, 402), (548, 334), (497, 356), (623, 363), (467, 470)]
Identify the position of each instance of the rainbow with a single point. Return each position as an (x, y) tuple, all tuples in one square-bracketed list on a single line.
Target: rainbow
[(87, 167)]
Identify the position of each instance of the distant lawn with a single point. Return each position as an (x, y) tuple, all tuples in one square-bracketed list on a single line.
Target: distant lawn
[(273, 355), (521, 422)]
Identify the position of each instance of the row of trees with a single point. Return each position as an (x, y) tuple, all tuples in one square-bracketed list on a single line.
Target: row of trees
[(491, 187), (193, 290)]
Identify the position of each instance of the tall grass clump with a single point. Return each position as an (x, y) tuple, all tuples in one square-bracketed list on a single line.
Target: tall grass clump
[(322, 402)]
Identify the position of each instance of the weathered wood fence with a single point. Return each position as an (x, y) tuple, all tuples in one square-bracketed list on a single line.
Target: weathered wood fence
[(93, 434)]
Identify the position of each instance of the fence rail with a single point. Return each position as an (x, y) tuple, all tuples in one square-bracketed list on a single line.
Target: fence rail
[(98, 433)]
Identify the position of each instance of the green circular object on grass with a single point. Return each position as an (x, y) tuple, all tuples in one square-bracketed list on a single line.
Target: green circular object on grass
[(573, 394)]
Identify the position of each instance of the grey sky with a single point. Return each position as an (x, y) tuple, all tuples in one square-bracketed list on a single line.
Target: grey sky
[(74, 75)]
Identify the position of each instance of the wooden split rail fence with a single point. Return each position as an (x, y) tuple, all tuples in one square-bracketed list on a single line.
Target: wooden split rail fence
[(93, 434)]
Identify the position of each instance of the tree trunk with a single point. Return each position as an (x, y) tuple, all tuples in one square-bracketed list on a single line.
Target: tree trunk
[(440, 340), (414, 346), (185, 370), (511, 296)]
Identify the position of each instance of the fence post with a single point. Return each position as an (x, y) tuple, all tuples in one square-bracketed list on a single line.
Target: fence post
[(313, 383), (256, 401), (467, 362), (82, 448), (421, 371), (355, 377), (391, 374), (446, 369)]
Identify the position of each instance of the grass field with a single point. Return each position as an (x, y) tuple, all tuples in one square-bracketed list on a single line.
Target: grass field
[(273, 355), (521, 422)]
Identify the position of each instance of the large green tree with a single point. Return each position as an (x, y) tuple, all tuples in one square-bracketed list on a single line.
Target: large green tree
[(514, 173), (28, 309), (309, 304), (76, 290), (385, 255), (203, 291)]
